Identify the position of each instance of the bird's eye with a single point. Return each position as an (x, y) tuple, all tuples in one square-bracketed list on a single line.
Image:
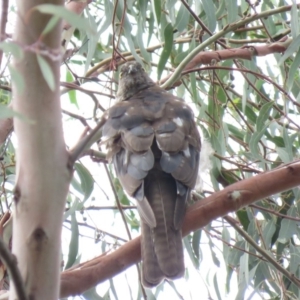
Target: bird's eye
[(121, 74)]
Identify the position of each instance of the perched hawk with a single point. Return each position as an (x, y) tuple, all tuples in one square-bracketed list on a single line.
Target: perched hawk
[(154, 145)]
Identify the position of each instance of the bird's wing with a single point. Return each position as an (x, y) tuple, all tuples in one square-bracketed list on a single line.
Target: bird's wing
[(154, 145)]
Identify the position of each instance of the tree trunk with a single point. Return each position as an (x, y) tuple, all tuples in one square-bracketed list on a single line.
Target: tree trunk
[(42, 161)]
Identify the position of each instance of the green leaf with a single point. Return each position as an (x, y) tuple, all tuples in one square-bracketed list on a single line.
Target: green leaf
[(13, 48), (61, 12), (288, 142), (263, 116), (127, 27), (226, 247), (235, 254), (232, 11), (213, 249), (17, 78), (195, 94), (168, 35), (141, 41), (243, 218), (157, 10), (86, 179), (268, 232), (50, 25), (210, 12), (236, 131), (295, 258), (196, 243), (216, 285), (191, 253), (46, 71), (293, 71), (293, 47), (71, 93), (7, 112), (92, 41), (294, 20), (75, 204), (108, 6), (221, 9), (288, 227), (182, 18), (74, 243), (253, 143)]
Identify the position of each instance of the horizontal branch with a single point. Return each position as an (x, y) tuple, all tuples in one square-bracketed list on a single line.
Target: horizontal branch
[(229, 28), (232, 198)]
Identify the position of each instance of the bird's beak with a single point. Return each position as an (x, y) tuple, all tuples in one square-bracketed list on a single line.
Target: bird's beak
[(131, 69)]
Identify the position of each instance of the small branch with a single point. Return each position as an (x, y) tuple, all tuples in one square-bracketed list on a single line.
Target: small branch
[(99, 230), (118, 202), (234, 246), (271, 211), (110, 207), (250, 72), (78, 117), (263, 252), (95, 155), (86, 142), (11, 263), (231, 27)]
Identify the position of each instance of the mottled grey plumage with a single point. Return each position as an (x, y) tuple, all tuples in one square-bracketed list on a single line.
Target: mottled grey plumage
[(154, 145)]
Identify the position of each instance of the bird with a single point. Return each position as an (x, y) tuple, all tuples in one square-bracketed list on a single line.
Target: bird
[(154, 144)]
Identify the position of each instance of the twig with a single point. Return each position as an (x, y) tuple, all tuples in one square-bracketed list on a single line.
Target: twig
[(264, 253), (95, 155), (98, 230), (11, 263), (110, 207), (75, 116), (271, 211), (231, 27), (86, 142)]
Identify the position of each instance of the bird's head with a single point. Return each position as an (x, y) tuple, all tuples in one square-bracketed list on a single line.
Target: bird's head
[(133, 79)]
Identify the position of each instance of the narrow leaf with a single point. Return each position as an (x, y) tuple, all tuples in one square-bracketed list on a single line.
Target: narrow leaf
[(61, 12), (13, 48), (71, 93), (263, 115), (73, 247), (50, 25), (210, 12), (87, 182), (293, 47), (17, 78), (168, 34), (46, 71), (157, 10)]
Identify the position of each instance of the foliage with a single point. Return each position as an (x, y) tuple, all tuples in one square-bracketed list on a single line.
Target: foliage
[(248, 110)]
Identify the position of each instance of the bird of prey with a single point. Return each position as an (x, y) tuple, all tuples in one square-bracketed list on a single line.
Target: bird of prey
[(154, 144)]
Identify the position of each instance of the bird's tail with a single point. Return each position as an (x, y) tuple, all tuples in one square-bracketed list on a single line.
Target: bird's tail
[(162, 250)]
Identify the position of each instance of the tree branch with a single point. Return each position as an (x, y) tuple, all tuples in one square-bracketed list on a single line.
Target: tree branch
[(263, 252), (232, 198), (10, 262), (215, 37)]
